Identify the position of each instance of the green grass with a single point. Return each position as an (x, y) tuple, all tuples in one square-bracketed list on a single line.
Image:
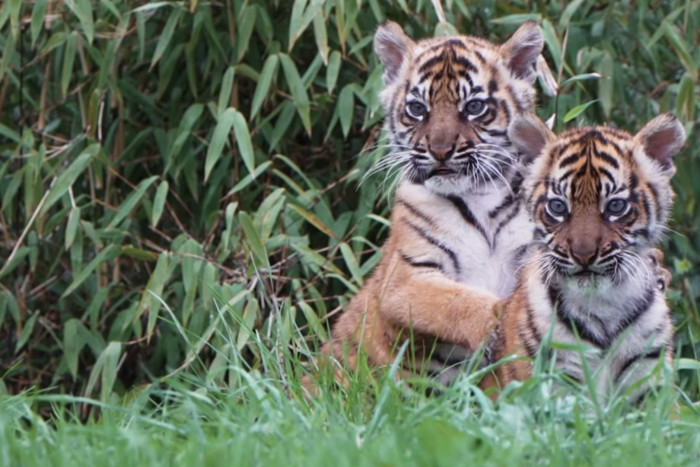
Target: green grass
[(385, 423), (266, 418)]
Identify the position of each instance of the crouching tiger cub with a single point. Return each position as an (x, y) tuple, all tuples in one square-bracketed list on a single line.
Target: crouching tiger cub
[(599, 198), (457, 215)]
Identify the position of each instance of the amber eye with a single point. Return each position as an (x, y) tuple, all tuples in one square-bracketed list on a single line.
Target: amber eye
[(557, 207), (416, 109), (474, 107), (616, 207)]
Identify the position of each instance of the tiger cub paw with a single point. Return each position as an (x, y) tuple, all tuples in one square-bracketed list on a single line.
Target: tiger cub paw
[(661, 274)]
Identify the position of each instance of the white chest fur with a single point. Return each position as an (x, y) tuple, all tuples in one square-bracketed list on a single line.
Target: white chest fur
[(485, 240), (624, 328)]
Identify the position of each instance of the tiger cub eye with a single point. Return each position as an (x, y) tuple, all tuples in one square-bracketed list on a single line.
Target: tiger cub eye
[(416, 109)]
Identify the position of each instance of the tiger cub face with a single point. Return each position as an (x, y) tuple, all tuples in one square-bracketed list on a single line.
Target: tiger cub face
[(599, 197), (449, 100)]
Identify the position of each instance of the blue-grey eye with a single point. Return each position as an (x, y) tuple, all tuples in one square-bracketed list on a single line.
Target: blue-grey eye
[(557, 207), (416, 109), (474, 107), (616, 207)]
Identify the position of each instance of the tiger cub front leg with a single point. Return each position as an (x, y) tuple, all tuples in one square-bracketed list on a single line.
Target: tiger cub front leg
[(437, 306)]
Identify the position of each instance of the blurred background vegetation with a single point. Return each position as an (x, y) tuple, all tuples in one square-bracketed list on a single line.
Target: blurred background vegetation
[(179, 181)]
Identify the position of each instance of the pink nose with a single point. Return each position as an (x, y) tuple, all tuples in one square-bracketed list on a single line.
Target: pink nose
[(584, 256), (441, 151)]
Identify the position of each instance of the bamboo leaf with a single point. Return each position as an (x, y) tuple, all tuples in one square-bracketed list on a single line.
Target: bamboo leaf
[(159, 202), (226, 88), (38, 13), (243, 141), (568, 13), (346, 108), (189, 119), (166, 35), (267, 75), (247, 23), (248, 179), (332, 71), (251, 234), (68, 176), (302, 15), (107, 254), (83, 10), (69, 52), (681, 48), (130, 202), (72, 344), (106, 370), (576, 111), (321, 35), (298, 91), (313, 220), (150, 298), (351, 262), (72, 226), (230, 118), (218, 140), (605, 85)]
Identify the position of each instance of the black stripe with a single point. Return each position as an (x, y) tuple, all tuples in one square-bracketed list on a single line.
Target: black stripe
[(494, 346), (575, 325), (505, 222), (428, 64), (416, 212), (568, 160), (466, 63), (421, 264), (493, 87), (529, 348), (652, 354), (638, 309), (607, 173), (434, 241), (507, 201), (467, 215), (607, 158), (531, 323)]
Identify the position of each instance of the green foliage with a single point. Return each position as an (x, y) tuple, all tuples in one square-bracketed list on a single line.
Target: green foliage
[(178, 177)]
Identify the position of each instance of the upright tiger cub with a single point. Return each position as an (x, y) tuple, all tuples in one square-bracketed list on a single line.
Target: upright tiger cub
[(599, 198), (457, 216)]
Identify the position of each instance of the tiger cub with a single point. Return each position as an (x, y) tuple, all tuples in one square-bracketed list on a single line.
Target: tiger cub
[(599, 199), (457, 215)]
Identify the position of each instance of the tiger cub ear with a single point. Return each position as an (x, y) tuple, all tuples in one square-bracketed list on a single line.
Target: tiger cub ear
[(520, 52), (661, 139), (529, 135), (391, 44)]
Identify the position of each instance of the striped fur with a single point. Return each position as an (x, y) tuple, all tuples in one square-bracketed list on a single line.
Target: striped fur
[(458, 215), (599, 198)]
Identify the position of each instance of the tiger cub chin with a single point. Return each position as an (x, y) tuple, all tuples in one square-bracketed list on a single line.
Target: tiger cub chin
[(599, 199), (457, 215)]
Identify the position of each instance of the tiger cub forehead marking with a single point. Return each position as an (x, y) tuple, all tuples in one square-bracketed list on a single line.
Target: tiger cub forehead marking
[(451, 70), (588, 165)]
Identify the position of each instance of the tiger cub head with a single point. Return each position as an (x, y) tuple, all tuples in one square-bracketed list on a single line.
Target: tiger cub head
[(599, 197), (449, 100)]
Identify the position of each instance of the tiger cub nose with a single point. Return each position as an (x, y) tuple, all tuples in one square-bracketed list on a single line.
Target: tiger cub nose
[(441, 152), (584, 256)]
